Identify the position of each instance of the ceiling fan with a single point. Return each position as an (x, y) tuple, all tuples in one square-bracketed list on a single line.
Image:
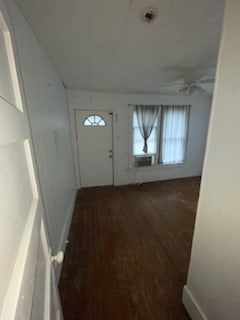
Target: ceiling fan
[(188, 82), (190, 87)]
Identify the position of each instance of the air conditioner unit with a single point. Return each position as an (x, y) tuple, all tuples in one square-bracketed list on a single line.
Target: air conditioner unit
[(144, 161)]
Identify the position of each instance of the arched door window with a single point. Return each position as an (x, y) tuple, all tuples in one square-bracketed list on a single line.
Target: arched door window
[(94, 120)]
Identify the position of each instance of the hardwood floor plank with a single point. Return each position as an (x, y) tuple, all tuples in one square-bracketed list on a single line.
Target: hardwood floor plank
[(128, 252)]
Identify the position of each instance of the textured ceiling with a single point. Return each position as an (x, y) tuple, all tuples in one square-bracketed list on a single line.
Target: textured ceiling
[(103, 45)]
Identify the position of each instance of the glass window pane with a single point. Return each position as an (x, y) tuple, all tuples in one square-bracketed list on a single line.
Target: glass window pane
[(138, 141), (174, 134), (101, 123), (94, 120), (91, 118)]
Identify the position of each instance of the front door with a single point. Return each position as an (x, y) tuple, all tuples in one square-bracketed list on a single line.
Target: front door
[(27, 290), (94, 134)]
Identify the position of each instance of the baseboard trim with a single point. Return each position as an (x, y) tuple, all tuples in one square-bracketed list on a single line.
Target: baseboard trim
[(192, 306), (65, 232)]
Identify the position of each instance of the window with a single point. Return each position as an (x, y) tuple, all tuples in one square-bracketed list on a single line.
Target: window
[(174, 127), (138, 141), (168, 139), (94, 120)]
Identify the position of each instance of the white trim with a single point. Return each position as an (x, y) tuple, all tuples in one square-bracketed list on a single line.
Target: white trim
[(114, 148), (191, 305), (130, 135), (65, 232), (47, 255)]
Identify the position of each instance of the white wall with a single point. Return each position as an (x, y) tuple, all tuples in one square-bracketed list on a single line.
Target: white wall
[(48, 112), (118, 103), (213, 285)]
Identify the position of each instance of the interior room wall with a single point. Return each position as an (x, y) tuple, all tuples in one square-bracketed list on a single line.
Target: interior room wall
[(213, 287), (124, 173), (49, 119)]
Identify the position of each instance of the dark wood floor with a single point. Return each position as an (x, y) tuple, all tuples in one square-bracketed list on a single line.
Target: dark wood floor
[(128, 252)]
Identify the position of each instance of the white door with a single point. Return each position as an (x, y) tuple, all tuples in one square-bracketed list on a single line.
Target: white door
[(25, 255), (94, 134)]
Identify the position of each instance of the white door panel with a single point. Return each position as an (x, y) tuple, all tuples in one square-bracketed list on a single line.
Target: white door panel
[(10, 117), (21, 218), (18, 203), (95, 149)]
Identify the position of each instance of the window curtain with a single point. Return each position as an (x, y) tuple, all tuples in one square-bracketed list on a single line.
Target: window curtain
[(146, 117), (174, 128)]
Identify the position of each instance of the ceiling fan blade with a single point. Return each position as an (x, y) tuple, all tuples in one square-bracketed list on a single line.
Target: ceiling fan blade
[(205, 81), (171, 84), (191, 89), (201, 90), (185, 89)]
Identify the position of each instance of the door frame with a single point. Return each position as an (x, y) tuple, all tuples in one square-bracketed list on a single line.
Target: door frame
[(75, 136)]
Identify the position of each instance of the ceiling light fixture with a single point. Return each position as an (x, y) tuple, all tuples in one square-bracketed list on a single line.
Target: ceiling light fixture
[(149, 14)]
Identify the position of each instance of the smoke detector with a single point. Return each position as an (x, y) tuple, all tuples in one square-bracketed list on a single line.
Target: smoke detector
[(149, 14)]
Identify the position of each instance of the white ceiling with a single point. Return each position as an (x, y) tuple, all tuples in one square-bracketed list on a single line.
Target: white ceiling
[(103, 45)]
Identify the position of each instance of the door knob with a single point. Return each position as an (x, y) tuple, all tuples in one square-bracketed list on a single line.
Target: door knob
[(58, 258)]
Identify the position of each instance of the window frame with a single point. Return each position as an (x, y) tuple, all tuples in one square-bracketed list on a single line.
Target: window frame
[(131, 132), (157, 156), (157, 144), (186, 142)]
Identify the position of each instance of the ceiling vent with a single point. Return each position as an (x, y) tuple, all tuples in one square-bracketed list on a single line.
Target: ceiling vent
[(149, 14)]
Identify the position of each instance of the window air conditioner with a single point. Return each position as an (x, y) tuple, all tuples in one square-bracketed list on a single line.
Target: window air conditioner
[(144, 161)]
